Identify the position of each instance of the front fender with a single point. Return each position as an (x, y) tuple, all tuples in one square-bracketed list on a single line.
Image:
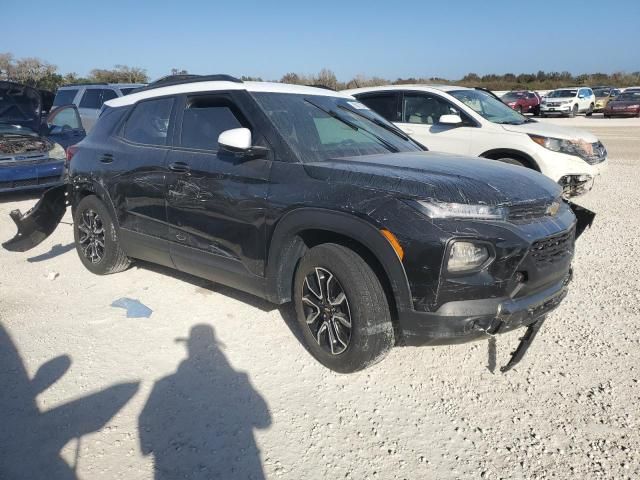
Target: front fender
[(40, 221), (283, 247)]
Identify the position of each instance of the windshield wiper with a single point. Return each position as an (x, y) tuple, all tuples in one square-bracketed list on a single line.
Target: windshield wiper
[(380, 123), (334, 114)]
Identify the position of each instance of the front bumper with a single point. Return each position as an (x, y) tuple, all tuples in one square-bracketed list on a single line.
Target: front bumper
[(15, 177), (468, 320), (560, 109)]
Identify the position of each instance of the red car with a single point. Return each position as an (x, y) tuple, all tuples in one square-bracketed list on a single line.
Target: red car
[(523, 101), (625, 104)]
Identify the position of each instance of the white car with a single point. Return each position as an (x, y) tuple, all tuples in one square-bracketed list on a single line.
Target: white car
[(474, 122), (568, 101)]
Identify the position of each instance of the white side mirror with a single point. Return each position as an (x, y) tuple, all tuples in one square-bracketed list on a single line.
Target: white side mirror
[(236, 139), (450, 119)]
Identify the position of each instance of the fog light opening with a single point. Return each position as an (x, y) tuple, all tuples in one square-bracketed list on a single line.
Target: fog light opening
[(574, 185), (467, 256)]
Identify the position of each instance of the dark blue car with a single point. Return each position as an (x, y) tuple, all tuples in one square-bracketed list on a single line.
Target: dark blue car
[(33, 149)]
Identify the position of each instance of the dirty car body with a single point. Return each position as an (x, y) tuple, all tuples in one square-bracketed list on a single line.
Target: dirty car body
[(32, 152), (322, 169)]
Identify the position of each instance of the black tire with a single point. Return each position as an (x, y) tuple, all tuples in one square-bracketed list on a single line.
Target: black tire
[(607, 116), (92, 226), (338, 347), (590, 111), (519, 109), (541, 115), (536, 111), (574, 111), (513, 161)]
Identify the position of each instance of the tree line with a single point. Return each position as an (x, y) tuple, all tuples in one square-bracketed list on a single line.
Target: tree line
[(41, 74)]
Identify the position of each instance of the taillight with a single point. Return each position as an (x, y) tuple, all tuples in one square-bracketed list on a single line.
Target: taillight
[(71, 151)]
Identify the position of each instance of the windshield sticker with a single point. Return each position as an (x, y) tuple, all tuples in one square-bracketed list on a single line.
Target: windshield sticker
[(358, 105)]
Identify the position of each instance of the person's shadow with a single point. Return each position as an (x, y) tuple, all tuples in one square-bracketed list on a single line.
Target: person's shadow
[(31, 439), (198, 422)]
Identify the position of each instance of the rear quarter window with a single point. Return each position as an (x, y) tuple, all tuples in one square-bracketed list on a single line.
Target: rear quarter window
[(91, 98), (65, 97)]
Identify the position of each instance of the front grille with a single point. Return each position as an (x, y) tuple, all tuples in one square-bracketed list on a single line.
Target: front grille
[(527, 212), (30, 182), (553, 104), (552, 249)]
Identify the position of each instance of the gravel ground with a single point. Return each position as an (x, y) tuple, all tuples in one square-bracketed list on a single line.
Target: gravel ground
[(215, 380)]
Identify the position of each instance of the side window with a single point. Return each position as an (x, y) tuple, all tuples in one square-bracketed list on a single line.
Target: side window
[(91, 98), (108, 94), (65, 97), (425, 109), (149, 122), (205, 118), (385, 104), (65, 118)]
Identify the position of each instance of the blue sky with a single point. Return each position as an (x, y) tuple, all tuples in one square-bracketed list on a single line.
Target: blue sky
[(269, 38)]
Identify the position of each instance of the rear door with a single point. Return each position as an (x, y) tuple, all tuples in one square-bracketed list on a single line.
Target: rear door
[(216, 201), (65, 126), (134, 170), (421, 112)]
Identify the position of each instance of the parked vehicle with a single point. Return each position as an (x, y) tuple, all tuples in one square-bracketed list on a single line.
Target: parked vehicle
[(523, 101), (632, 89), (568, 102), (603, 96), (626, 104), (304, 194), (89, 98), (32, 154), (471, 122)]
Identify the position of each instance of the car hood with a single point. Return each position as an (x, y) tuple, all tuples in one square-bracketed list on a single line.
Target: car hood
[(20, 105), (555, 131), (438, 176), (623, 103), (16, 142)]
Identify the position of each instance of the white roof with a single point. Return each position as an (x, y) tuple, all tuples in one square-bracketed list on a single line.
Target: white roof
[(421, 87), (213, 86)]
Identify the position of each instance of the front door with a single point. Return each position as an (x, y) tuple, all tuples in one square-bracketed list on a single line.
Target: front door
[(421, 113), (215, 199)]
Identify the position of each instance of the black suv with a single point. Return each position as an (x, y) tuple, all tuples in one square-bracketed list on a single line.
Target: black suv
[(303, 194)]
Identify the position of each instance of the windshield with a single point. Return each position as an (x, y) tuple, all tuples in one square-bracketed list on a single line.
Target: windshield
[(562, 93), (488, 107), (512, 96), (601, 92), (319, 127), (629, 97)]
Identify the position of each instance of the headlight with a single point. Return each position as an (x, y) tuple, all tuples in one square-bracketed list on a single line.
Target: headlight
[(464, 256), (57, 152), (567, 102), (462, 210), (578, 148)]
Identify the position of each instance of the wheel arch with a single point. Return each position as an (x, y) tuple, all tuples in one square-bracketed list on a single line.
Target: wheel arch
[(304, 228), (80, 189), (498, 153)]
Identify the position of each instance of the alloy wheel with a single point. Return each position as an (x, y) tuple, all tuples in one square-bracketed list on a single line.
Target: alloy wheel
[(326, 310), (92, 236)]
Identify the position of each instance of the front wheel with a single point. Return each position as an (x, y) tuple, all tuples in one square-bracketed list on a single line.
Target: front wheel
[(513, 161), (574, 111), (96, 238), (342, 309), (590, 111)]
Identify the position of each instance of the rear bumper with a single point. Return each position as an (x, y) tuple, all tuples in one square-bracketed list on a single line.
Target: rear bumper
[(467, 320), (30, 176)]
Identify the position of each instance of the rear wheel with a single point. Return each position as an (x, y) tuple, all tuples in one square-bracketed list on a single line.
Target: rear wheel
[(519, 109), (536, 111), (96, 238), (342, 309)]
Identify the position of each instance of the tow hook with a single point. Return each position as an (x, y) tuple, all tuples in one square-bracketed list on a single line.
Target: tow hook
[(523, 346)]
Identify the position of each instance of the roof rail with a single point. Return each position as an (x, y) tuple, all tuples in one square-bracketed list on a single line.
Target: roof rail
[(186, 78), (83, 84), (325, 87)]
